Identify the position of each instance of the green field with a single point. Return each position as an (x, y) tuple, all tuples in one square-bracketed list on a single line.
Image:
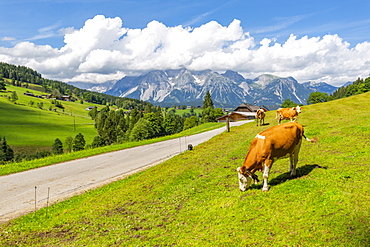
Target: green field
[(193, 199), (197, 111), (28, 129)]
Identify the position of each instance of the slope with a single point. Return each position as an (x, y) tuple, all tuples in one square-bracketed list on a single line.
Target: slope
[(31, 128), (193, 199)]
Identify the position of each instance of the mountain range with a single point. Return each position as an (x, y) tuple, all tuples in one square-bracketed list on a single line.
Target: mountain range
[(230, 89)]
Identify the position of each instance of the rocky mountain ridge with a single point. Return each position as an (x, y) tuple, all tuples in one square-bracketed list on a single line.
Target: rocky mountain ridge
[(189, 87)]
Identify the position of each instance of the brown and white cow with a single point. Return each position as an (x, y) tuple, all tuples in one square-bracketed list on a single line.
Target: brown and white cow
[(260, 115), (288, 113), (281, 141)]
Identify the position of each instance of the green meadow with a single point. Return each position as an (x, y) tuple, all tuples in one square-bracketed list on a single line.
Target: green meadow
[(193, 199), (28, 128)]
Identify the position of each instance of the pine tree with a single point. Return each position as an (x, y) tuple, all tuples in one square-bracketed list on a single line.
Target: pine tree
[(79, 142), (155, 123), (2, 85), (6, 153), (208, 109), (57, 147), (208, 101)]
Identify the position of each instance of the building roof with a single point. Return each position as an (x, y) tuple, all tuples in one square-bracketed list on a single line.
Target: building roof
[(237, 116), (249, 107)]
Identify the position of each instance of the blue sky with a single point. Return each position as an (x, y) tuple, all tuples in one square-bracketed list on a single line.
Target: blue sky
[(38, 28)]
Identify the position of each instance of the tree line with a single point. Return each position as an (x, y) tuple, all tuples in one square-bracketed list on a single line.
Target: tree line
[(118, 126), (357, 87)]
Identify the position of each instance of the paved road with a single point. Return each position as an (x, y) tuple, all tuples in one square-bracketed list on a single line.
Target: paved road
[(24, 192)]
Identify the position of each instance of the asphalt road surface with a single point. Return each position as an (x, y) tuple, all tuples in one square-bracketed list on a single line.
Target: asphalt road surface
[(27, 191)]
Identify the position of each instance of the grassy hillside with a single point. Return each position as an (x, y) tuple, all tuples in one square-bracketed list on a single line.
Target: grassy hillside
[(193, 199), (28, 129)]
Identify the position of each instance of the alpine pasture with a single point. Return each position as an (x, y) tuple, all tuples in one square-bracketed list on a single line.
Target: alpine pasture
[(31, 128), (193, 199)]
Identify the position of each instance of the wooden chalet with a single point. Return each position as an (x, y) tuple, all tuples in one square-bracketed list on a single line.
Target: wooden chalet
[(244, 111)]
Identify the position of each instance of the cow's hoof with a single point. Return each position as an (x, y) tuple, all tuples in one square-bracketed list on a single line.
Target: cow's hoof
[(265, 189)]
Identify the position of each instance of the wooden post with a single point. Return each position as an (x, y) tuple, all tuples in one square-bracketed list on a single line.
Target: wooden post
[(47, 202), (228, 123), (35, 198)]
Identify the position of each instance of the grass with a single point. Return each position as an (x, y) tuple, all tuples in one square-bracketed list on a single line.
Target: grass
[(193, 198), (180, 112), (29, 129)]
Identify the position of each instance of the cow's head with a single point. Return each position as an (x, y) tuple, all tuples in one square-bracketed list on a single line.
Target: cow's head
[(244, 180), (298, 109)]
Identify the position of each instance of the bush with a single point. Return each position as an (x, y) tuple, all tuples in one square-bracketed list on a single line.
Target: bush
[(69, 144)]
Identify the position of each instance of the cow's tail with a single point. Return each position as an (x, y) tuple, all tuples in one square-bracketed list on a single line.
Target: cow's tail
[(314, 139)]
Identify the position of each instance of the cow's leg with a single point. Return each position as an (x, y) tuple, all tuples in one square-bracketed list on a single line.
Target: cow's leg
[(293, 163), (294, 159), (266, 171)]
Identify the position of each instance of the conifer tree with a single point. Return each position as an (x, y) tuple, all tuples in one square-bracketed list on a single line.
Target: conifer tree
[(6, 153), (208, 101), (2, 85), (79, 142), (208, 109), (57, 147)]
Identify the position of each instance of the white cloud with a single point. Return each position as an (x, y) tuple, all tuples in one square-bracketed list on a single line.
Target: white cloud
[(104, 50), (7, 39)]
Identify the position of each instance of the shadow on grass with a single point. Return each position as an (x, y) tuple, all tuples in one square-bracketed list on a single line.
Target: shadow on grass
[(301, 172)]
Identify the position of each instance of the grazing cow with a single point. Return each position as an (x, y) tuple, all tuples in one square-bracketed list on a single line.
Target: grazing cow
[(288, 113), (281, 141), (260, 115)]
